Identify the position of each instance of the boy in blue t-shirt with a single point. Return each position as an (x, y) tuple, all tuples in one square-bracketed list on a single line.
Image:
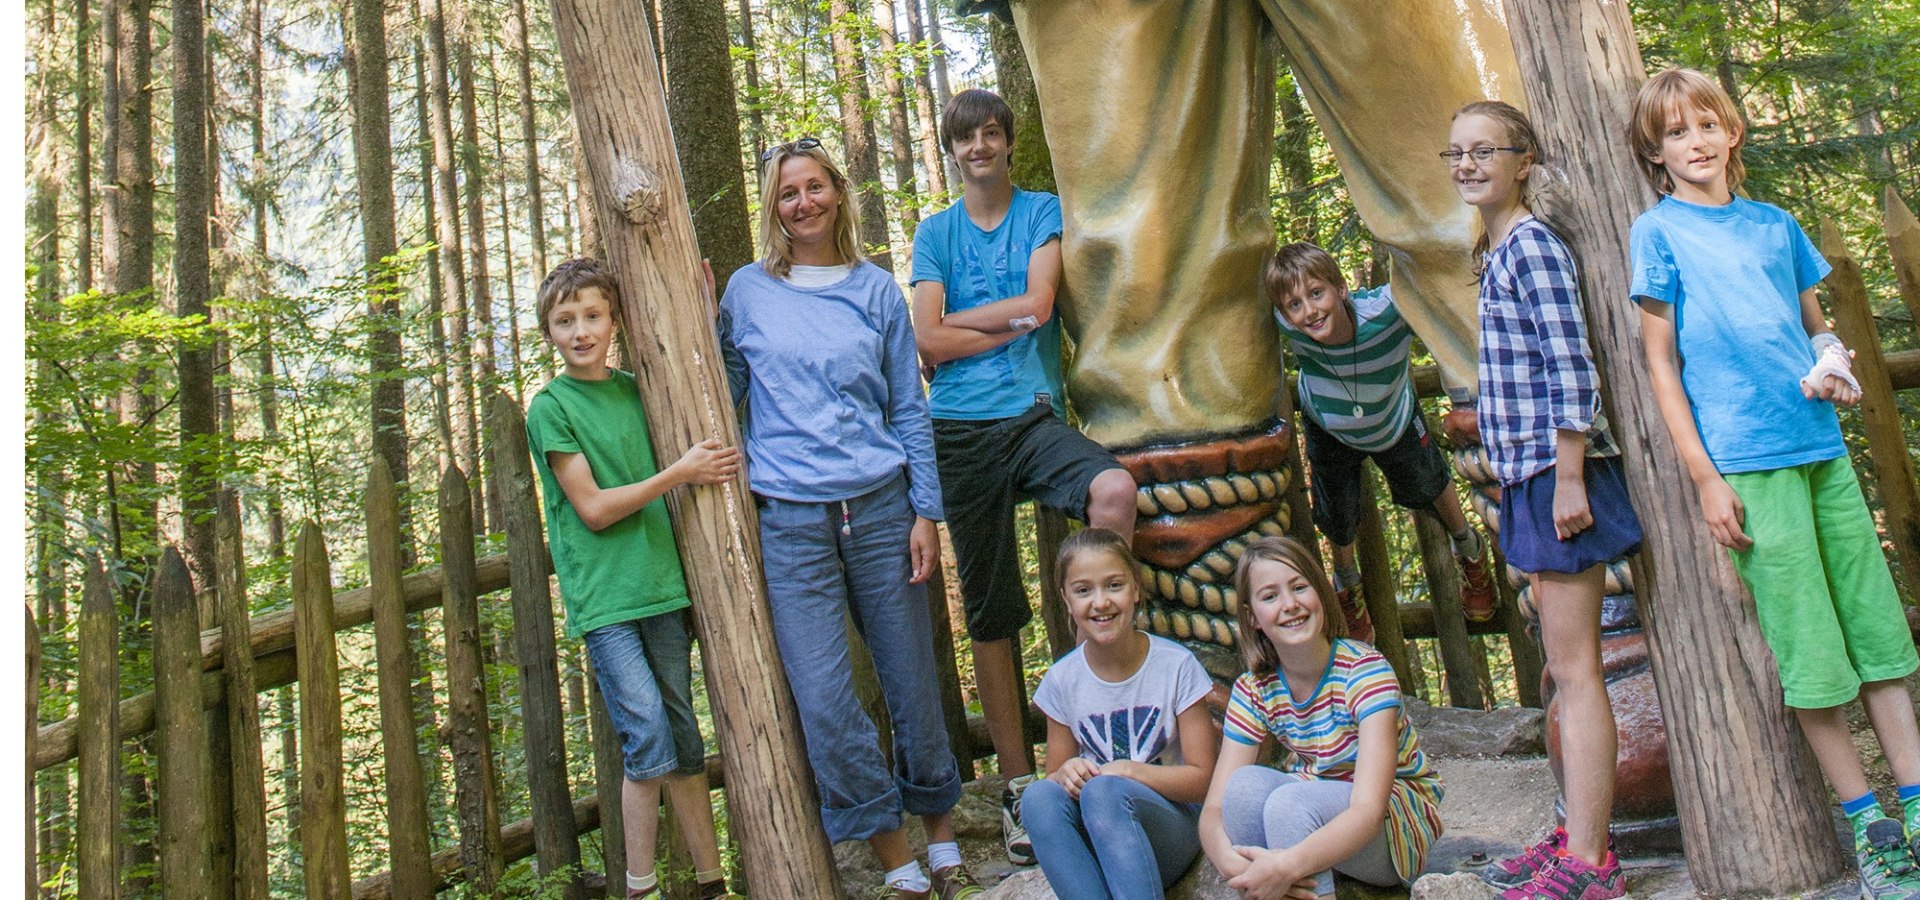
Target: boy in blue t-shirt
[(619, 572), (1746, 373), (985, 271)]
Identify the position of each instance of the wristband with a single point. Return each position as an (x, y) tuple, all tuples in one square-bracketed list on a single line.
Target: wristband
[(1023, 324)]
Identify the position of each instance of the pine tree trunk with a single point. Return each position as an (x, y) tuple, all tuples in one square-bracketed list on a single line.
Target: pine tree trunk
[(480, 304), (192, 286), (856, 132), (706, 129), (751, 69), (513, 372), (453, 290), (436, 306), (1753, 810), (1293, 148), (529, 145), (931, 155), (1032, 163), (898, 143)]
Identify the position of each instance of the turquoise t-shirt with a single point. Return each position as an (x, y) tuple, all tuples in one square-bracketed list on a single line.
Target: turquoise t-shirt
[(978, 267), (630, 569), (1734, 274)]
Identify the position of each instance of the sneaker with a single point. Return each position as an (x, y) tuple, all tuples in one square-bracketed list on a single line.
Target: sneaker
[(1477, 599), (1019, 846), (1568, 877), (889, 892), (1359, 622), (955, 883), (1887, 867), (1516, 871)]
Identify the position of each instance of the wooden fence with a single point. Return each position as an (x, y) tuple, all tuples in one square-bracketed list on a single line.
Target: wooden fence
[(204, 721)]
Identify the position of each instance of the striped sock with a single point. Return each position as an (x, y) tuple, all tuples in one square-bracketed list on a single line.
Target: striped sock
[(1862, 811)]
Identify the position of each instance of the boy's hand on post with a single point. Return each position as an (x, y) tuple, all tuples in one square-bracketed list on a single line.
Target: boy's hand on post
[(923, 545), (709, 463), (1726, 516), (1461, 425)]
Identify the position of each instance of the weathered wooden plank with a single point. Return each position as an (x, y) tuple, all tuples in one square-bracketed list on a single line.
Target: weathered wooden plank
[(407, 841), (247, 819), (58, 741), (516, 843), (98, 737), (468, 730), (323, 804), (1903, 242), (946, 669), (640, 205), (608, 776), (1464, 688), (543, 725), (1050, 530), (1377, 587), (1752, 803), (1528, 659), (1879, 411), (180, 748)]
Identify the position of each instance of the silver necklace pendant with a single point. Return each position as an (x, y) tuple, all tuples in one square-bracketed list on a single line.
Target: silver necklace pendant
[(1357, 411)]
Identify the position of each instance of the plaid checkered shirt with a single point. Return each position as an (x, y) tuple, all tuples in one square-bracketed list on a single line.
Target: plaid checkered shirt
[(1536, 370)]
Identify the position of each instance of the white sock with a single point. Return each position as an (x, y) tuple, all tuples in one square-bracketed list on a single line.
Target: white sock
[(1466, 544), (645, 882), (942, 855), (909, 877)]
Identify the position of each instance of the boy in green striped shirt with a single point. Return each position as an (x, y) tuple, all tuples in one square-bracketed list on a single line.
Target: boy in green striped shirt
[(1356, 403)]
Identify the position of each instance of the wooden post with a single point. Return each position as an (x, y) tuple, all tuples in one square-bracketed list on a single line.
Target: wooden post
[(249, 821), (32, 867), (1753, 811), (1050, 529), (467, 725), (1903, 242), (608, 777), (323, 803), (181, 732), (1464, 688), (1376, 582), (98, 860), (946, 668), (642, 210), (406, 812), (544, 730), (1879, 411), (1527, 659)]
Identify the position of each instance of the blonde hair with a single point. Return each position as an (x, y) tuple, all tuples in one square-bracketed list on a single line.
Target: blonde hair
[(1293, 264), (1520, 134), (1256, 651), (776, 246), (1662, 96)]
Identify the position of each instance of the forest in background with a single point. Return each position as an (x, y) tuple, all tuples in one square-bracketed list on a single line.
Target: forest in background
[(385, 183)]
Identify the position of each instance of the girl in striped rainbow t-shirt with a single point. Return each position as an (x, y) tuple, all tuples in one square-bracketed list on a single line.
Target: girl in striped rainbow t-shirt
[(1354, 793)]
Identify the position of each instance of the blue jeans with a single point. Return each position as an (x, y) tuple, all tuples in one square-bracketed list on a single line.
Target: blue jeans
[(646, 676), (1120, 840), (824, 561)]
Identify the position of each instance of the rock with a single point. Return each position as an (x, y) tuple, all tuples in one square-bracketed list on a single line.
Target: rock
[(1507, 731), (1453, 886)]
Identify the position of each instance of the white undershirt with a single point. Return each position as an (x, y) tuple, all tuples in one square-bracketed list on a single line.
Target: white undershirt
[(817, 276)]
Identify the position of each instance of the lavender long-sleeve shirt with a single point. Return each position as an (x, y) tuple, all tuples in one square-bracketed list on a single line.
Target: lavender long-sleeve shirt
[(831, 378)]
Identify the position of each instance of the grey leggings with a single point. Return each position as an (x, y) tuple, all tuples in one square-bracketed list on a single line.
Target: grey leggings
[(1265, 808)]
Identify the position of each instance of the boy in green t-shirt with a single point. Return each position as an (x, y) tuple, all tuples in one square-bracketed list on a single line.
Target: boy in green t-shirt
[(619, 572)]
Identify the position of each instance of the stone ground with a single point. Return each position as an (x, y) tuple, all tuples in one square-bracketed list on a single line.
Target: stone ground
[(1494, 806)]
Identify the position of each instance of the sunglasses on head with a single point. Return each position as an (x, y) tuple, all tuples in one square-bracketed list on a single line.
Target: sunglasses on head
[(806, 143)]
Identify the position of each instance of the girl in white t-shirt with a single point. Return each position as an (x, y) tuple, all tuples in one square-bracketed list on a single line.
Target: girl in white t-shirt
[(1130, 747)]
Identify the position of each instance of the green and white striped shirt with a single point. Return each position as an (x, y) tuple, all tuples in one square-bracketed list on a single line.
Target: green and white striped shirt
[(1361, 391)]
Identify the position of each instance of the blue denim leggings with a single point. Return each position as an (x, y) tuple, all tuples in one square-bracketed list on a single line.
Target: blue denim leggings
[(824, 561), (1120, 840)]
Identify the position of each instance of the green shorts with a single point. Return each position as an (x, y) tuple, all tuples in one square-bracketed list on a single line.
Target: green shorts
[(1824, 593)]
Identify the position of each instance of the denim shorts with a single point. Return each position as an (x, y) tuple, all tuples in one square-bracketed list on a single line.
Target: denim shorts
[(645, 671)]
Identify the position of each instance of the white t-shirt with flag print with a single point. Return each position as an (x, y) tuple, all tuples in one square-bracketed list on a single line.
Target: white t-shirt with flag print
[(1133, 719)]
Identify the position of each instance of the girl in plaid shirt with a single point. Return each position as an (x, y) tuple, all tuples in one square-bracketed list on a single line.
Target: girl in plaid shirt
[(1563, 504)]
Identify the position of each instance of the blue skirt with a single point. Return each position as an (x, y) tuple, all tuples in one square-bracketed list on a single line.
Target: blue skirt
[(1527, 534)]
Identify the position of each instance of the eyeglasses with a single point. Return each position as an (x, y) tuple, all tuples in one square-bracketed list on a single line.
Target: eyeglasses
[(806, 143), (1479, 154)]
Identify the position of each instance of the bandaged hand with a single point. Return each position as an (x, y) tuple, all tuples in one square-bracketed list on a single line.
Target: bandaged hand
[(1831, 377), (1023, 324)]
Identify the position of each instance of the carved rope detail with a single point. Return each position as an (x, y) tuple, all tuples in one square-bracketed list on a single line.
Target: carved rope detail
[(1233, 489)]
